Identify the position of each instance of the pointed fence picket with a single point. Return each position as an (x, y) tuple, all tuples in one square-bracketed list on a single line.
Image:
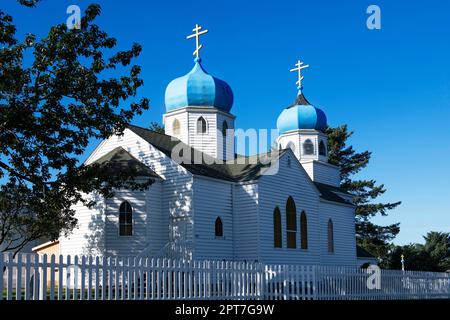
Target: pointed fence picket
[(33, 277)]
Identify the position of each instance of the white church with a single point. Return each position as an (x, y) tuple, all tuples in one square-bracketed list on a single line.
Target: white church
[(225, 206)]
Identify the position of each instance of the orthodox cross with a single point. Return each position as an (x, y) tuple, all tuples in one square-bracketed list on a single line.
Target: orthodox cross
[(299, 67), (197, 34)]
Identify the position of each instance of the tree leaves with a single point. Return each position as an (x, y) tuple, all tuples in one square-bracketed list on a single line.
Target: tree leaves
[(372, 237), (50, 109)]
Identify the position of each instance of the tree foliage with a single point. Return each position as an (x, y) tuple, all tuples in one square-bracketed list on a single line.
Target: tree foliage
[(372, 237), (156, 127), (56, 94), (434, 255)]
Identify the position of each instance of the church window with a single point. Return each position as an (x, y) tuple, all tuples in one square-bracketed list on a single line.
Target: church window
[(291, 224), (224, 128), (218, 227), (308, 147), (303, 231), (322, 148), (125, 219), (201, 125), (330, 236), (176, 127), (277, 234)]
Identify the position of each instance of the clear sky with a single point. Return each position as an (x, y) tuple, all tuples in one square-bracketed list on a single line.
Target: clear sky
[(391, 86)]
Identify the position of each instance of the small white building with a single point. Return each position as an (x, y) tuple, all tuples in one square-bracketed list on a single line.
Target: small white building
[(241, 208)]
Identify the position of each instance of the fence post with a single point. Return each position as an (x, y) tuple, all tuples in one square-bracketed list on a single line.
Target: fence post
[(2, 270)]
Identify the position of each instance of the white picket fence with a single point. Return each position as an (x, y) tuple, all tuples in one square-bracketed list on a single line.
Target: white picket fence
[(33, 277)]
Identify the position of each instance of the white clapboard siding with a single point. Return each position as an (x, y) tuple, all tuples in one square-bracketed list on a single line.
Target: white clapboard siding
[(182, 118), (212, 199), (175, 196), (206, 142), (132, 278), (323, 172), (343, 218), (274, 190), (88, 236), (245, 222)]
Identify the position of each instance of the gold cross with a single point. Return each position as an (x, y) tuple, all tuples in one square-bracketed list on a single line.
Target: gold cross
[(299, 68), (197, 35)]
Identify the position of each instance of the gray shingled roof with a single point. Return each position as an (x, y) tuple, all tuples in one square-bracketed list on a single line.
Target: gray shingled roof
[(328, 193), (122, 161), (242, 168)]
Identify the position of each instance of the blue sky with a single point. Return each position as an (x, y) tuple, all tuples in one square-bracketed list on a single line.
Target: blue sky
[(391, 86)]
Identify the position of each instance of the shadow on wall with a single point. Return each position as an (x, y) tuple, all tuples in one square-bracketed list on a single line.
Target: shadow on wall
[(177, 196), (96, 237)]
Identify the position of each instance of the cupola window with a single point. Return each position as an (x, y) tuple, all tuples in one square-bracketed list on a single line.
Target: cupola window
[(201, 125), (308, 147), (176, 127), (322, 148)]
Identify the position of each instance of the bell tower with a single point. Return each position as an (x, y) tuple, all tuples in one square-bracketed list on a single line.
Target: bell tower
[(302, 128), (198, 109)]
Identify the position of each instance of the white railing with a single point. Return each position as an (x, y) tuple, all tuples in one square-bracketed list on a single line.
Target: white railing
[(29, 276)]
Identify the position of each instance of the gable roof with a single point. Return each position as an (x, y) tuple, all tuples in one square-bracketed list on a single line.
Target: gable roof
[(121, 160), (328, 193), (240, 169)]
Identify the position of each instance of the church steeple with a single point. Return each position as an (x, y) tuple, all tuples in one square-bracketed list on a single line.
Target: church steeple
[(302, 128), (198, 108)]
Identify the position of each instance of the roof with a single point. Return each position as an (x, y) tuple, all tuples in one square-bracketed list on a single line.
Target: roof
[(45, 245), (121, 160), (363, 253), (328, 193), (240, 169)]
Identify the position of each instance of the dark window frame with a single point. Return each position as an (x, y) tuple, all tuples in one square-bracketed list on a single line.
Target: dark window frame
[(125, 219)]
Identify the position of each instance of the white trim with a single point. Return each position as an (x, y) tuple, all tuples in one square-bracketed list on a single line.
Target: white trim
[(198, 109), (321, 162), (45, 245)]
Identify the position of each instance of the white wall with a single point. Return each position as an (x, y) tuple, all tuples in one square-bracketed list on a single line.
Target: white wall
[(212, 142), (88, 237), (212, 199), (274, 190), (343, 218), (176, 187), (150, 224), (245, 222), (323, 172)]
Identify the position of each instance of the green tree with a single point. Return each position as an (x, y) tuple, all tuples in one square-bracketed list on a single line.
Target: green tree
[(156, 127), (372, 237), (434, 255), (67, 91)]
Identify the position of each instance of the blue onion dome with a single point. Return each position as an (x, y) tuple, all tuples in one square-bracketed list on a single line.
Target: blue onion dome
[(301, 115), (198, 88)]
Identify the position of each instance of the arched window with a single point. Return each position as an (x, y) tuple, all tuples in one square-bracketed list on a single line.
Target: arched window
[(322, 148), (218, 226), (277, 236), (291, 146), (308, 147), (125, 219), (303, 231), (201, 125), (224, 128), (176, 127), (291, 223), (330, 236)]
